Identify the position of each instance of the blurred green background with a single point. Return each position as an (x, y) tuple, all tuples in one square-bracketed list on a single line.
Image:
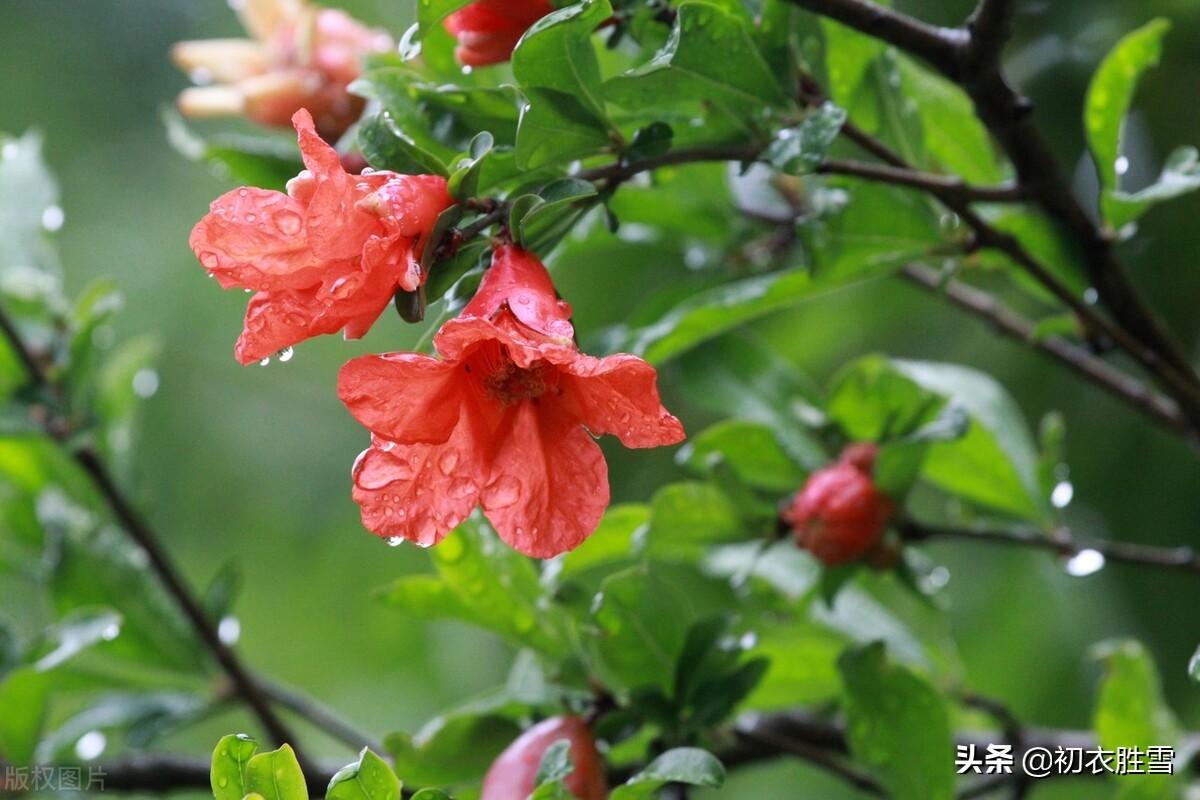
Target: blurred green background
[(252, 464)]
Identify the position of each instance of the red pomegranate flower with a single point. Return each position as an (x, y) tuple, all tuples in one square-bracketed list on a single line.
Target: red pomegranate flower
[(327, 256), (840, 514), (501, 420), (488, 30), (300, 56)]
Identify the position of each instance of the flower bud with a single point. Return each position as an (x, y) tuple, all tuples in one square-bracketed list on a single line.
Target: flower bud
[(513, 774), (840, 514)]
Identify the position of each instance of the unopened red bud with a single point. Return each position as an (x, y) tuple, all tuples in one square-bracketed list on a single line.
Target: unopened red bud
[(840, 514), (513, 774)]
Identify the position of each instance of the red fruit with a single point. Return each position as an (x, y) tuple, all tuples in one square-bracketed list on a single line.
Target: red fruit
[(513, 774), (840, 514)]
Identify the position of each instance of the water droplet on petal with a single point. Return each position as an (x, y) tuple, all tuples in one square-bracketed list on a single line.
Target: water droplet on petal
[(448, 461), (285, 355), (210, 260), (288, 222), (502, 493), (265, 361), (394, 541)]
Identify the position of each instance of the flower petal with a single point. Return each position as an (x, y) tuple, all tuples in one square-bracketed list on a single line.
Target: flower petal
[(420, 491), (254, 239), (519, 281), (336, 227), (619, 395), (458, 337), (404, 397), (549, 483), (346, 298)]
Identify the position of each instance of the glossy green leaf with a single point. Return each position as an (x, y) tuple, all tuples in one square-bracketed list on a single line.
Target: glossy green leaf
[(276, 775), (369, 778), (556, 54), (650, 141), (556, 128), (386, 146), (142, 716), (1131, 712), (691, 515), (27, 191), (641, 624), (802, 664), (1110, 94), (615, 539), (751, 449), (801, 149), (954, 138), (229, 762), (263, 161), (848, 55), (555, 764), (464, 180), (78, 630), (898, 726), (710, 55), (1180, 175), (689, 765), (484, 582), (431, 12)]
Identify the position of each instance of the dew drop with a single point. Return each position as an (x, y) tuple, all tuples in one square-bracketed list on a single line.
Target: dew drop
[(265, 361), (243, 192), (448, 461), (223, 782), (394, 541), (91, 745), (52, 218), (503, 493), (285, 355), (209, 259), (288, 222), (1061, 495), (1121, 166), (229, 630), (145, 383), (201, 76), (1084, 563)]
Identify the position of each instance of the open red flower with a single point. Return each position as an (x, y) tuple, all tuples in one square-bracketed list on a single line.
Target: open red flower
[(327, 256), (504, 419), (488, 30), (300, 56)]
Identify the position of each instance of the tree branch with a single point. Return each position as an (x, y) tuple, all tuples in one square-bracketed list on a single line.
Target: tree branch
[(1008, 323), (941, 47), (988, 27), (1184, 559), (319, 716), (144, 536), (943, 186)]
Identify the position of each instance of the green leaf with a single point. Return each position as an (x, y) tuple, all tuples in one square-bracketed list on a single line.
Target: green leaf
[(613, 541), (269, 162), (369, 778), (1110, 94), (1194, 666), (556, 54), (142, 716), (688, 765), (955, 139), (692, 515), (555, 764), (1131, 712), (464, 181), (78, 630), (898, 725), (555, 128), (752, 449), (431, 794), (802, 665), (451, 749), (229, 762), (649, 142), (993, 464), (432, 12), (24, 696), (710, 56), (386, 146), (1180, 175), (555, 199), (848, 55), (485, 583), (641, 623), (801, 149), (276, 775)]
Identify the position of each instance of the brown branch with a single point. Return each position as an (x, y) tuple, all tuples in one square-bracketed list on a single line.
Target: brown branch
[(989, 27), (942, 186), (941, 47), (136, 527), (1062, 542), (1080, 360)]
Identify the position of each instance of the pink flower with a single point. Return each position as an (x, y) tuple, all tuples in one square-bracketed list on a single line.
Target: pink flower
[(300, 56), (327, 256), (504, 419)]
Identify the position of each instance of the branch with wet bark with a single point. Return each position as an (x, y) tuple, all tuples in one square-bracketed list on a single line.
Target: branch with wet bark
[(138, 529)]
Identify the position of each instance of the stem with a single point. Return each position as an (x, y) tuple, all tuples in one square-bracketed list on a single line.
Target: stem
[(1061, 542), (940, 185), (144, 536), (1008, 323), (319, 716)]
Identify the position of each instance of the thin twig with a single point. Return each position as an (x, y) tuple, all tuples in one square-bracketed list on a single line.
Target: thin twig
[(319, 715), (144, 536), (943, 186), (1062, 542), (1008, 323)]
